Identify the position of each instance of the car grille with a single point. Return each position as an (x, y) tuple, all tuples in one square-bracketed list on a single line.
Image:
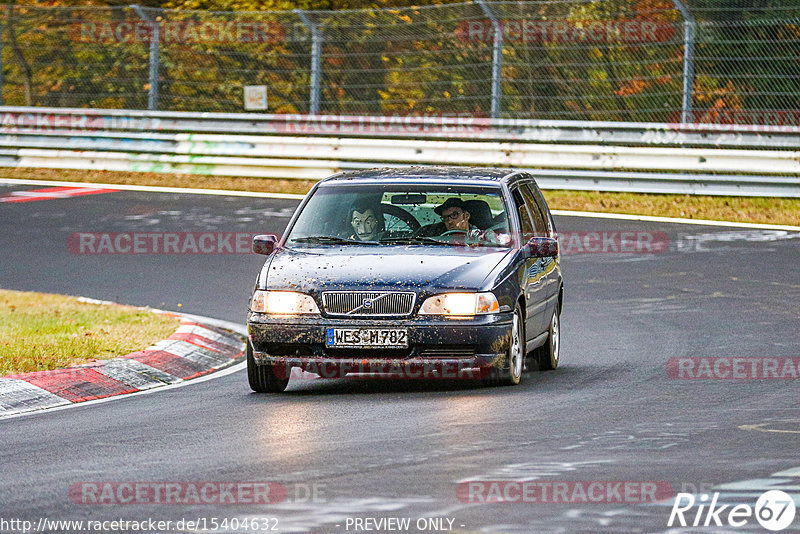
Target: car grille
[(367, 303)]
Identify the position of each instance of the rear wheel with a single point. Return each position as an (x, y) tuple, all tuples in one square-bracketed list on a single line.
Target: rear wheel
[(262, 378), (511, 374), (549, 353)]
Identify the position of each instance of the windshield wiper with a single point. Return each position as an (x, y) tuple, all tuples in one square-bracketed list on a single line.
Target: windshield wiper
[(415, 240), (331, 240)]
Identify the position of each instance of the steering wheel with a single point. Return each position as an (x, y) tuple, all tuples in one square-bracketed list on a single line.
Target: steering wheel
[(456, 237), (498, 226), (399, 213), (424, 229)]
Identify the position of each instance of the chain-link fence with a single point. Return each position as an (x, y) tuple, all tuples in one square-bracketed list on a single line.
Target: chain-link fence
[(616, 60)]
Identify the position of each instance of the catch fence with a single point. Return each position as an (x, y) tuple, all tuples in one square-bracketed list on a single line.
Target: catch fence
[(662, 61)]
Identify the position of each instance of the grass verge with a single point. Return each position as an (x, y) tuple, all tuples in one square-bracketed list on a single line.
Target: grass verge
[(735, 209), (41, 331), (766, 210)]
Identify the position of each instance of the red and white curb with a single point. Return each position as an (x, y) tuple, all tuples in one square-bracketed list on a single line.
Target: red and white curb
[(196, 348), (52, 193)]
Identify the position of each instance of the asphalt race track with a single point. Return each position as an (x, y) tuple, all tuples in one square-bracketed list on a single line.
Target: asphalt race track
[(374, 450)]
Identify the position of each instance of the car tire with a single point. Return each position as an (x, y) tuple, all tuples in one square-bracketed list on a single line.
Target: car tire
[(262, 378), (511, 374), (550, 353)]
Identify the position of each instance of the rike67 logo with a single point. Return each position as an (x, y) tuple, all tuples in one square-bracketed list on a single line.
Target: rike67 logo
[(774, 510)]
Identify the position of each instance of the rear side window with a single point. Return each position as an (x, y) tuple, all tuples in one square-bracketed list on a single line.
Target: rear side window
[(525, 220), (539, 224), (540, 201)]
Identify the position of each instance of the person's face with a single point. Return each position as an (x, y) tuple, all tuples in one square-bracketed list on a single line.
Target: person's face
[(456, 219), (365, 224)]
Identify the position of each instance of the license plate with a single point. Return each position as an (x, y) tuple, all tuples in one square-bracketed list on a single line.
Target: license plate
[(367, 337)]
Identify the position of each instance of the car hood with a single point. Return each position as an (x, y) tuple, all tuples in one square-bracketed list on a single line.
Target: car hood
[(380, 268)]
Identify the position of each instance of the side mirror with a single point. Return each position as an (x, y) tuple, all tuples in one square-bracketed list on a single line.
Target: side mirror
[(264, 244), (541, 247)]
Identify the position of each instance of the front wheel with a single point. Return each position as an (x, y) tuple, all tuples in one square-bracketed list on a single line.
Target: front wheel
[(511, 374), (262, 378), (550, 352)]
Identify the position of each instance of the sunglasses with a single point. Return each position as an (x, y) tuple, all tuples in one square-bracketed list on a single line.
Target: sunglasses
[(453, 216)]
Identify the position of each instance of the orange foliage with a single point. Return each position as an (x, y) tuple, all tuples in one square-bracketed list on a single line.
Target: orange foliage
[(632, 87)]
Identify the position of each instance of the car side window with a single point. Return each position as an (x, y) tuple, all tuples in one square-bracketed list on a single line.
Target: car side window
[(526, 223), (542, 203), (538, 218)]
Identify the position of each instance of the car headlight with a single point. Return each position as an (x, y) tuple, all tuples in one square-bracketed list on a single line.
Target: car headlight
[(462, 304), (283, 303)]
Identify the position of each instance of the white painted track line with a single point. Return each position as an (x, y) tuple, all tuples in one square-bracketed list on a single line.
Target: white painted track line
[(255, 194), (152, 188), (673, 220)]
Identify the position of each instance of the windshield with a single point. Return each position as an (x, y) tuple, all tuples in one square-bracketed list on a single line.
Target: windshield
[(391, 214)]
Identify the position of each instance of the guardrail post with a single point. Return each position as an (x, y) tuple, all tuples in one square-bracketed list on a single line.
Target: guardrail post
[(688, 59), (497, 59), (316, 58), (152, 95)]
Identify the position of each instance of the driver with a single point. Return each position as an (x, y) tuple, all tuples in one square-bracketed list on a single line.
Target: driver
[(455, 217), (367, 222)]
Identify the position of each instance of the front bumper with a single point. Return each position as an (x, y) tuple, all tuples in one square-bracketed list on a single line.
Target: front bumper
[(435, 344)]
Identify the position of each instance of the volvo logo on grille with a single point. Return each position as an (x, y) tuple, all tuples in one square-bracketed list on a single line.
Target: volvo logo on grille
[(368, 303)]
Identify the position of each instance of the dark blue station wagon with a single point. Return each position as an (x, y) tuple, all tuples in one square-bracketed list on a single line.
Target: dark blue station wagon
[(426, 272)]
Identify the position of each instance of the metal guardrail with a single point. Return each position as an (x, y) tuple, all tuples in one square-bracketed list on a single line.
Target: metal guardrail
[(15, 119), (563, 154)]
